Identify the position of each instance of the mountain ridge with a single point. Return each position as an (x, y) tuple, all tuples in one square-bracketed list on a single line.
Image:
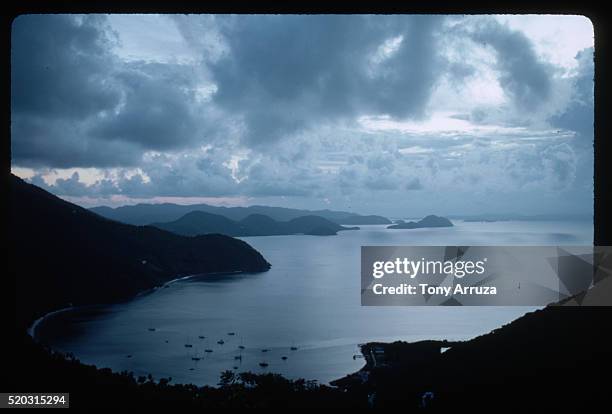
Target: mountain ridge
[(200, 222), (143, 213), (66, 254)]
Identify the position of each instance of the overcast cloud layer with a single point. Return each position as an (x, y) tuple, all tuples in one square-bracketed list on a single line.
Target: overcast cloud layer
[(392, 115)]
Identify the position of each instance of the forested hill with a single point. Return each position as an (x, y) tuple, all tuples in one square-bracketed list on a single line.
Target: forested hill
[(63, 254), (162, 213)]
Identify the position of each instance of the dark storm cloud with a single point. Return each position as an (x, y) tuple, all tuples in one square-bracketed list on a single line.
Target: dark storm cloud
[(285, 73), (157, 113), (43, 142), (75, 104), (522, 75), (59, 67)]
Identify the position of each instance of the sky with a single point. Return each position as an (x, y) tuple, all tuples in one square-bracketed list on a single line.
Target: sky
[(398, 115)]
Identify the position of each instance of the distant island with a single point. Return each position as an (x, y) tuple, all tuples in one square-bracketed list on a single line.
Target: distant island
[(428, 221), (67, 255), (142, 214), (200, 222)]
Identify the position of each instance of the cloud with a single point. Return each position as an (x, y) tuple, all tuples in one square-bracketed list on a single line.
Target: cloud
[(521, 73), (60, 66), (414, 184), (559, 163), (578, 115), (57, 143), (75, 104), (314, 111), (158, 109), (283, 74), (72, 186)]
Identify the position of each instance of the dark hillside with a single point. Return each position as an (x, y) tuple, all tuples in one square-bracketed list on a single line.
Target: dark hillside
[(65, 254)]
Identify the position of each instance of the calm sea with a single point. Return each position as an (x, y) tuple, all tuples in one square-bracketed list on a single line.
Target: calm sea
[(309, 300)]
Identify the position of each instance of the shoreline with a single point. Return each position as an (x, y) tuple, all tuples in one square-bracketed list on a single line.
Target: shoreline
[(31, 330), (387, 354), (351, 377), (370, 361), (179, 279), (375, 354)]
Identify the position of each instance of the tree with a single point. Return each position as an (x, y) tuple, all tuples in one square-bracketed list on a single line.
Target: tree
[(227, 378)]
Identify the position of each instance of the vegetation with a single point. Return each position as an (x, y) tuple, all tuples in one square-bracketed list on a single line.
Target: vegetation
[(552, 358), (141, 214), (555, 358), (40, 369), (199, 222), (428, 221), (64, 255)]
